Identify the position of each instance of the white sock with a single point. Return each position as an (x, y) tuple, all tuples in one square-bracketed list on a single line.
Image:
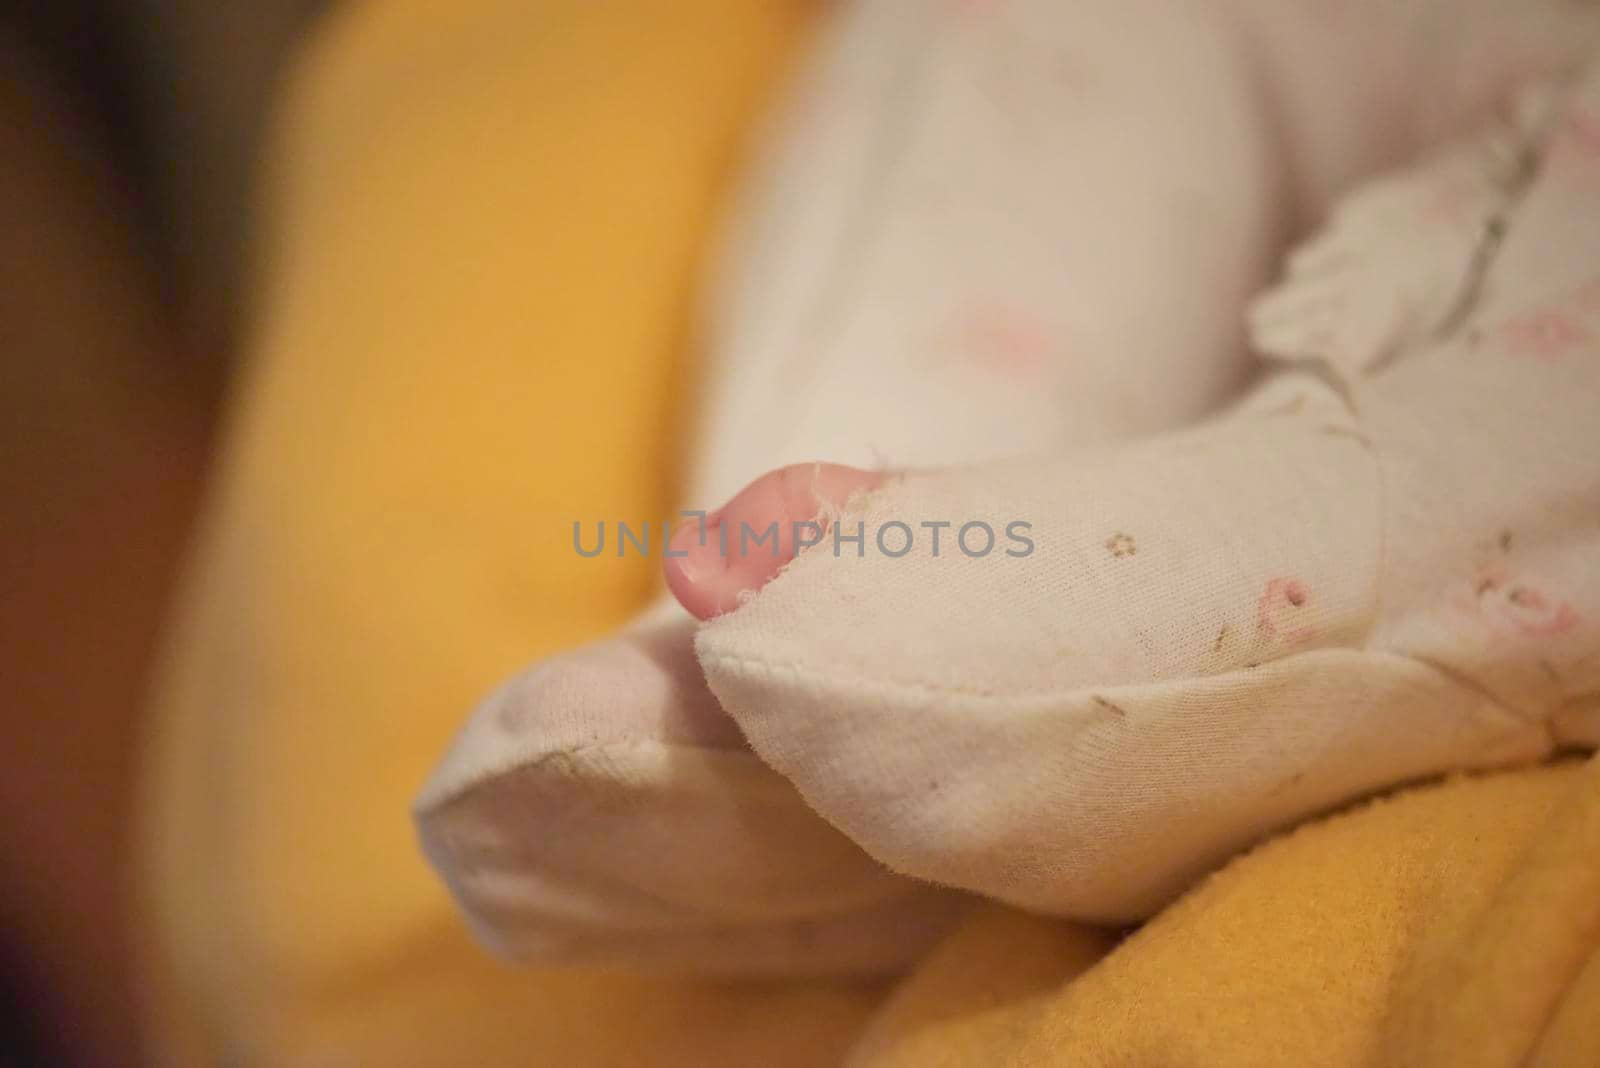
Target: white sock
[(601, 808)]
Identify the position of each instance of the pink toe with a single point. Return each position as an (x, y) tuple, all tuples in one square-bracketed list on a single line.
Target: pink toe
[(744, 544)]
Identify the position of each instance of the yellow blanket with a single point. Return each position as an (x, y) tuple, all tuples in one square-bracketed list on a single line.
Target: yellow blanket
[(1455, 925), (487, 216)]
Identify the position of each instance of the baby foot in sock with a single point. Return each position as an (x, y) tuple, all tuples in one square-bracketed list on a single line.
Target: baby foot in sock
[(737, 549), (1210, 639), (1033, 725), (601, 809)]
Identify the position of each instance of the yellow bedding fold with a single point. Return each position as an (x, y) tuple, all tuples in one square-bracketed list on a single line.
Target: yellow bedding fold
[(1444, 926)]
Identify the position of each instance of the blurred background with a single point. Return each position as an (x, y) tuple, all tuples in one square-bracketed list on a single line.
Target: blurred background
[(130, 132), (319, 323)]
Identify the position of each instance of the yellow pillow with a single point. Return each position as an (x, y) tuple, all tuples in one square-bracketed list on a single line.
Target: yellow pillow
[(485, 220)]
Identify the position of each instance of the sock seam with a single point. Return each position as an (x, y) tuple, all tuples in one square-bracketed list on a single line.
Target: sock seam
[(1095, 695), (489, 774)]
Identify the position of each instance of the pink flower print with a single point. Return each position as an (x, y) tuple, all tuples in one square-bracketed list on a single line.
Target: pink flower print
[(1006, 342), (1279, 611), (1579, 138), (1522, 609), (1546, 334)]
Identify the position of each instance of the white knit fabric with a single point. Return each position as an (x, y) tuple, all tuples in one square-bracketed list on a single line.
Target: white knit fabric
[(1329, 591), (988, 230), (601, 808)]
